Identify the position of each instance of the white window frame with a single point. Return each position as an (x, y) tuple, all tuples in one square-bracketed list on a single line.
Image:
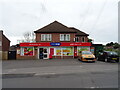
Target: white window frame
[(67, 37), (64, 37), (46, 37), (61, 37), (82, 39), (42, 37), (76, 39), (49, 37)]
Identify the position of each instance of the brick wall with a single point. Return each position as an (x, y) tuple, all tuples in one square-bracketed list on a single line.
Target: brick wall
[(80, 38), (63, 57), (5, 44), (55, 37), (1, 33)]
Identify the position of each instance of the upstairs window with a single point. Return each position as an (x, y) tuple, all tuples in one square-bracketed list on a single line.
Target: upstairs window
[(83, 39), (64, 37), (76, 39), (46, 37)]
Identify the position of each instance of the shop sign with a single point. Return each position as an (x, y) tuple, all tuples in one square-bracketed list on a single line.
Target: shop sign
[(55, 44), (76, 44), (34, 44)]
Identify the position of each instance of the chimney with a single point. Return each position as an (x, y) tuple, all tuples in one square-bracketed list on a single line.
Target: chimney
[(1, 31)]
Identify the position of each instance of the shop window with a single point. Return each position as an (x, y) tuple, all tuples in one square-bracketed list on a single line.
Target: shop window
[(58, 51), (67, 51), (27, 51), (64, 37), (64, 51), (46, 37), (83, 49)]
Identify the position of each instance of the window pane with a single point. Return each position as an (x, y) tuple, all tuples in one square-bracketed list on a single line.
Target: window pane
[(61, 37), (48, 37), (83, 39), (76, 39), (28, 51), (42, 37), (22, 51), (83, 49), (67, 51), (58, 51), (67, 38)]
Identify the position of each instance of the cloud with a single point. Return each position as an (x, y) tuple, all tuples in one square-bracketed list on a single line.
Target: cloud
[(96, 17)]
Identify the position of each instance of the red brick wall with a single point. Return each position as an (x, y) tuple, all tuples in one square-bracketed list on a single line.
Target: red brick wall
[(5, 44), (62, 57), (80, 38), (55, 37)]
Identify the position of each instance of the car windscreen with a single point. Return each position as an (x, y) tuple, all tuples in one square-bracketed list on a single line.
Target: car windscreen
[(113, 53), (86, 52)]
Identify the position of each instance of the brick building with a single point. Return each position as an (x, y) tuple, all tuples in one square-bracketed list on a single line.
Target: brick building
[(4, 46), (55, 41)]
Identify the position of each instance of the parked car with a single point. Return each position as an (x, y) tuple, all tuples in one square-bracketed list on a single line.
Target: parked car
[(86, 56), (108, 56)]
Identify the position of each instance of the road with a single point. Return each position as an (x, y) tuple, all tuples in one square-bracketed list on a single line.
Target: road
[(59, 74)]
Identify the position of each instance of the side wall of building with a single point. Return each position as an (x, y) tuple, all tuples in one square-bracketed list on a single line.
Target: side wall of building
[(4, 46)]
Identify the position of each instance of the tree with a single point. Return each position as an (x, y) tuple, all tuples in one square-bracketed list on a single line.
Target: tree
[(110, 44), (29, 36), (116, 45), (90, 40)]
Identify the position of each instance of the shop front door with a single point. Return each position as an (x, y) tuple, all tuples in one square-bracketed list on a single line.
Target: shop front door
[(43, 53)]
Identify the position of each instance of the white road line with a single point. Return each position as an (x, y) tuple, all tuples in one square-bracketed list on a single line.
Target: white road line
[(37, 74), (12, 70)]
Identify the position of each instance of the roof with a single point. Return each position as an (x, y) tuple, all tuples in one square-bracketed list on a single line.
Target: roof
[(3, 36), (79, 33), (56, 27)]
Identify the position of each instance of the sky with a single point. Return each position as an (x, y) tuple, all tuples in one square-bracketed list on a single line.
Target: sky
[(98, 18)]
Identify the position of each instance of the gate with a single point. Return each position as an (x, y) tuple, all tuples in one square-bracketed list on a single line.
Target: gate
[(12, 55)]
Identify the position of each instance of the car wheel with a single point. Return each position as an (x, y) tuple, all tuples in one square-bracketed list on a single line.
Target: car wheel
[(106, 60), (93, 61), (117, 61), (78, 59), (97, 59)]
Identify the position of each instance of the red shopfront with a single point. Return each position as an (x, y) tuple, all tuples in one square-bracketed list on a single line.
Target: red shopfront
[(50, 50)]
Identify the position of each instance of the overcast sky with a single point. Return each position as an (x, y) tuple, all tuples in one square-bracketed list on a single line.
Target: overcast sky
[(98, 18)]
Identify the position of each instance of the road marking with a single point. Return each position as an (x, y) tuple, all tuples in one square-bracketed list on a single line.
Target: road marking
[(12, 70), (92, 87), (37, 74)]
